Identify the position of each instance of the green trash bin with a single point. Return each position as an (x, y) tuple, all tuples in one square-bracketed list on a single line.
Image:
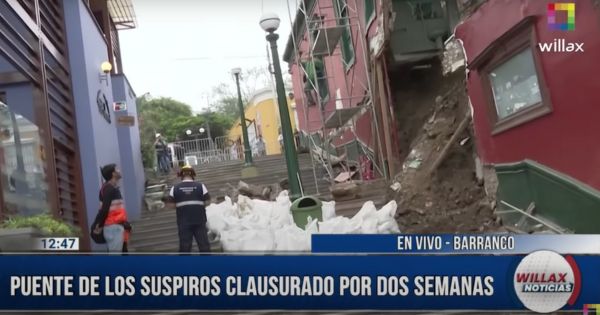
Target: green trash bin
[(306, 207)]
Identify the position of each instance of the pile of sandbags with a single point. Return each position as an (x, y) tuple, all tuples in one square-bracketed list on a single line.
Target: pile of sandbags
[(259, 225)]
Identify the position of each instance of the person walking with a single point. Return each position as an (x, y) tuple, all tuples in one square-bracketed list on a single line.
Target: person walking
[(111, 220), (190, 199), (161, 154)]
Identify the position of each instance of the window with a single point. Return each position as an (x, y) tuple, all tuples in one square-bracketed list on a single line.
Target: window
[(312, 70), (515, 84), (23, 186), (369, 12), (342, 14), (425, 10), (512, 79)]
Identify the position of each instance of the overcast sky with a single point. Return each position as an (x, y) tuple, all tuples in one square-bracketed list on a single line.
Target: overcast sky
[(182, 48)]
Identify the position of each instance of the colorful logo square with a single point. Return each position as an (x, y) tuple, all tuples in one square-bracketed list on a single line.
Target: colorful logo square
[(591, 309), (554, 24)]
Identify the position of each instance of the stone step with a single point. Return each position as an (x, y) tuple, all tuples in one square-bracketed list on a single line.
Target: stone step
[(157, 231)]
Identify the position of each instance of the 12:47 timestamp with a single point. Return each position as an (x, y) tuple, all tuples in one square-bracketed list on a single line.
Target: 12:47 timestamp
[(58, 243)]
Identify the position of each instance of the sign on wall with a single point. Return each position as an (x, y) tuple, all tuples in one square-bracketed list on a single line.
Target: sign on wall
[(103, 107), (126, 121), (120, 106)]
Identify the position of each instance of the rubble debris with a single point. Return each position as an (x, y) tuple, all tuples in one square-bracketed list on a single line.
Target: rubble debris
[(464, 141), (454, 57), (463, 125), (396, 186), (257, 192), (449, 200), (344, 191), (345, 176), (413, 160), (153, 197)]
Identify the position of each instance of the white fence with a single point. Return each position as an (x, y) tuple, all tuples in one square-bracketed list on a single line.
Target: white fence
[(204, 151)]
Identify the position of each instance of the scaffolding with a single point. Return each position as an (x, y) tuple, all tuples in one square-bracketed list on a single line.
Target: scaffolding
[(337, 115)]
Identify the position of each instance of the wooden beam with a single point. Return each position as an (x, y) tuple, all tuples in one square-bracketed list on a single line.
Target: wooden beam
[(383, 108), (463, 125)]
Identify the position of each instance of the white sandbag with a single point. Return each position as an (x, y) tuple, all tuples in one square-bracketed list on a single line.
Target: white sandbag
[(388, 227), (230, 240), (328, 210), (387, 211), (369, 225), (232, 223), (333, 226), (340, 225), (245, 206), (216, 215), (386, 218), (283, 200), (312, 226), (262, 207), (292, 238), (366, 218), (254, 222), (368, 210), (281, 214), (281, 218), (257, 240)]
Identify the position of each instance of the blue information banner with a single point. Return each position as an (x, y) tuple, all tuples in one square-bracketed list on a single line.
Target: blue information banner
[(310, 282), (455, 243)]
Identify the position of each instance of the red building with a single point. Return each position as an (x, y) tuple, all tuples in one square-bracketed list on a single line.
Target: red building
[(533, 83), (357, 45), (332, 35)]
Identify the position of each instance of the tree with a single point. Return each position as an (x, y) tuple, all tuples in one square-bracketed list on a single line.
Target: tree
[(172, 119), (251, 80)]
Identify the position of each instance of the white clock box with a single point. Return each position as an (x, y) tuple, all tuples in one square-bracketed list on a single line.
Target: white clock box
[(56, 244)]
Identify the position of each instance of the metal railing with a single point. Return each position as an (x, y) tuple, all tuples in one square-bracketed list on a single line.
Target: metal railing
[(204, 151), (199, 151)]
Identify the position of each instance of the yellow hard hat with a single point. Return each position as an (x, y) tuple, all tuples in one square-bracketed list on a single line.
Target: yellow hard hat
[(187, 170)]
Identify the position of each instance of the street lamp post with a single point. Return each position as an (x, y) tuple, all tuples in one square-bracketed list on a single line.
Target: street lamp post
[(269, 23), (249, 170)]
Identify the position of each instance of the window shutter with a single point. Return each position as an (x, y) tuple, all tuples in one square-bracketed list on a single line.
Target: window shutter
[(369, 10)]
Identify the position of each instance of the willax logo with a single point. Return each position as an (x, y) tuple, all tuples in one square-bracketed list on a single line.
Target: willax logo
[(554, 24), (561, 17), (546, 281)]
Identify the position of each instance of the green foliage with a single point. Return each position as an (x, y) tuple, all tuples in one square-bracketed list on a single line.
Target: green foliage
[(171, 119), (44, 222), (228, 106)]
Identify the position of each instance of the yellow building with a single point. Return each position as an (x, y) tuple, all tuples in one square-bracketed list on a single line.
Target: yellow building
[(262, 118)]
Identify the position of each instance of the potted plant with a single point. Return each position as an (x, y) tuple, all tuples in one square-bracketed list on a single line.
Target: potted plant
[(18, 233)]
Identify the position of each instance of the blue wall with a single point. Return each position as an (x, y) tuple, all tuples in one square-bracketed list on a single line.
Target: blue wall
[(130, 146), (98, 139)]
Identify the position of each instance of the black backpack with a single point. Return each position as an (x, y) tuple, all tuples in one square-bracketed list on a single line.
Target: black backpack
[(98, 238)]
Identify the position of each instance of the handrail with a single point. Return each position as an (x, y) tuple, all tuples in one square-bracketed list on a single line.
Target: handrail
[(547, 224)]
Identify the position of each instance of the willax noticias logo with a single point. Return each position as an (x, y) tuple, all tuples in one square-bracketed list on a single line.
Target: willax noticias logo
[(546, 281)]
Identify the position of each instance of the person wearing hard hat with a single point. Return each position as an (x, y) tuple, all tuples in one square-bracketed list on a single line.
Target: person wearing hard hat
[(191, 198)]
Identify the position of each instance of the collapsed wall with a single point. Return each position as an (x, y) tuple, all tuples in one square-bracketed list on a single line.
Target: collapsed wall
[(437, 189)]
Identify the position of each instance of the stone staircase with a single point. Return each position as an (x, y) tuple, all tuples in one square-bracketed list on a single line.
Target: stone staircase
[(157, 231)]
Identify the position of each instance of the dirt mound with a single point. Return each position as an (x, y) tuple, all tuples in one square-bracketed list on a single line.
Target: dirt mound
[(449, 198)]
